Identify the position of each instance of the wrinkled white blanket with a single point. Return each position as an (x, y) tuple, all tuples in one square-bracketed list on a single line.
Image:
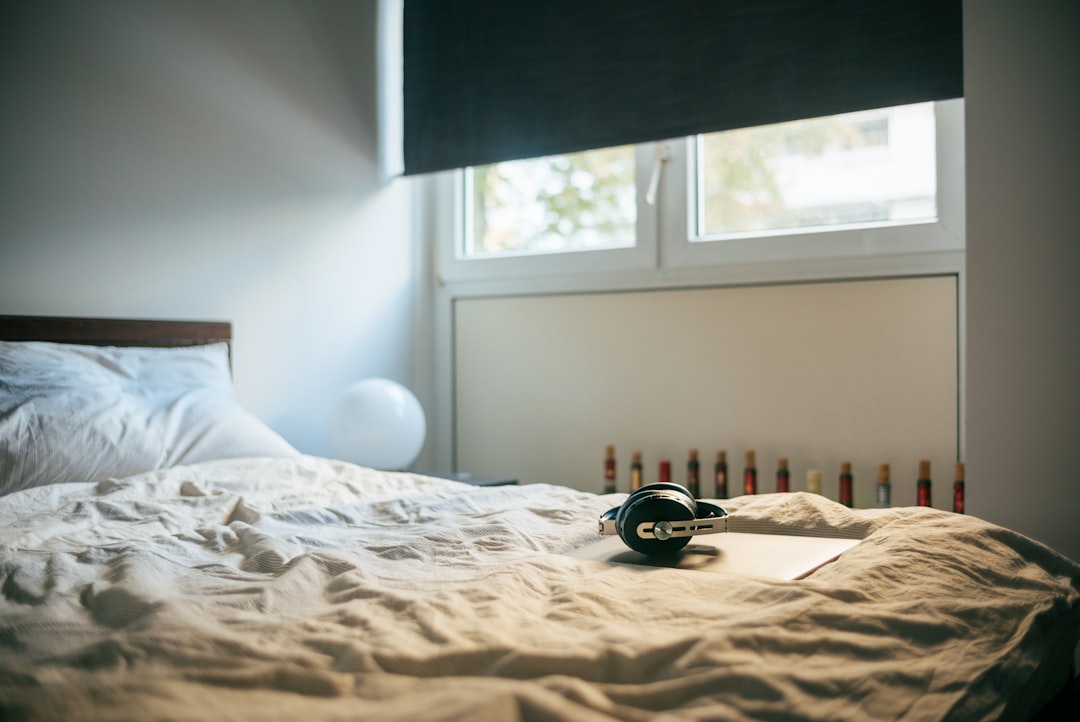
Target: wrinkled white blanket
[(305, 589)]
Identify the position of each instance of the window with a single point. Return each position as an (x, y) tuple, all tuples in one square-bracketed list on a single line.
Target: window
[(875, 166), (551, 217), (861, 191), (574, 202)]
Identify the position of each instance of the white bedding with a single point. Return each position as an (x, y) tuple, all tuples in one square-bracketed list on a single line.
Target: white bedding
[(305, 589), (71, 413)]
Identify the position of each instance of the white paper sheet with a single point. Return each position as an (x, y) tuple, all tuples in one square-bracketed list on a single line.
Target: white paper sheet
[(774, 556)]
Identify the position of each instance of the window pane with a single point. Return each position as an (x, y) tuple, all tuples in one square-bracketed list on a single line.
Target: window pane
[(872, 166), (574, 202)]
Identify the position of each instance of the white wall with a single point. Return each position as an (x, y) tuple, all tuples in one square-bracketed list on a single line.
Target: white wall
[(1022, 89), (211, 160)]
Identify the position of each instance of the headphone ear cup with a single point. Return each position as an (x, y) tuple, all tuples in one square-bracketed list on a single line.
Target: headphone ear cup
[(657, 505)]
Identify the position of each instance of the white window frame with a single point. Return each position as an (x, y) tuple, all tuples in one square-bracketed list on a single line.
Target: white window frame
[(453, 190), (665, 256), (855, 250)]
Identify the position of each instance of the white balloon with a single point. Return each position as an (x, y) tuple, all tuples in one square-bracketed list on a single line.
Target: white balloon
[(377, 423)]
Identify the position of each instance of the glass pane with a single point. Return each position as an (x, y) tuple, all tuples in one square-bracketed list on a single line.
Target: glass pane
[(573, 202), (867, 167)]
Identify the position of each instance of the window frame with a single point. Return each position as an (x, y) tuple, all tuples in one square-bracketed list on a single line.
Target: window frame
[(452, 267), (666, 256), (872, 242)]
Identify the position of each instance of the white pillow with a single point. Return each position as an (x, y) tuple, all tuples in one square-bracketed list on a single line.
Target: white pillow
[(72, 413)]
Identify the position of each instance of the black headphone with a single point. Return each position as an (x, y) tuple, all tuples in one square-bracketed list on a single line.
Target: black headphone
[(660, 518)]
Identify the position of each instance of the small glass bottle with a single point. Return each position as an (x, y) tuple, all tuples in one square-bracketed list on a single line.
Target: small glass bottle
[(721, 475), (813, 481), (665, 471), (750, 473), (609, 469), (783, 476), (693, 475), (846, 492), (635, 471), (958, 489), (922, 485), (884, 488)]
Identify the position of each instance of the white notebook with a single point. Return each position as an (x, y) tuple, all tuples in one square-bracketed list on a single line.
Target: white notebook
[(776, 556)]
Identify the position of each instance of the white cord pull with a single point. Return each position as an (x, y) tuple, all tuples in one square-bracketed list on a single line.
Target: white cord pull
[(663, 155)]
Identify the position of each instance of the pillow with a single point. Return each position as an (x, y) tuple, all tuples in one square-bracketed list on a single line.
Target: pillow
[(71, 413)]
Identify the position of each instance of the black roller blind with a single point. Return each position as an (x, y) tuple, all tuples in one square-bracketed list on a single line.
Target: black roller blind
[(491, 80)]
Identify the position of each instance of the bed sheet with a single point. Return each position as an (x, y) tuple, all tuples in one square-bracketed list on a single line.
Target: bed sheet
[(311, 589)]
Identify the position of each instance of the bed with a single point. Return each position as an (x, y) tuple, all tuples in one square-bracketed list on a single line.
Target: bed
[(165, 556)]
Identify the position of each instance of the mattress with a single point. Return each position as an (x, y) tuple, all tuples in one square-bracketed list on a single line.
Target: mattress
[(305, 588)]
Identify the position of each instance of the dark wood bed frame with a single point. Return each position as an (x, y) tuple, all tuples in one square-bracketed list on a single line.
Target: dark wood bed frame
[(114, 331)]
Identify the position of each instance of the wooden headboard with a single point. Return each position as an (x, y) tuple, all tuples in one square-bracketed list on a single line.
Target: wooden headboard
[(113, 331)]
